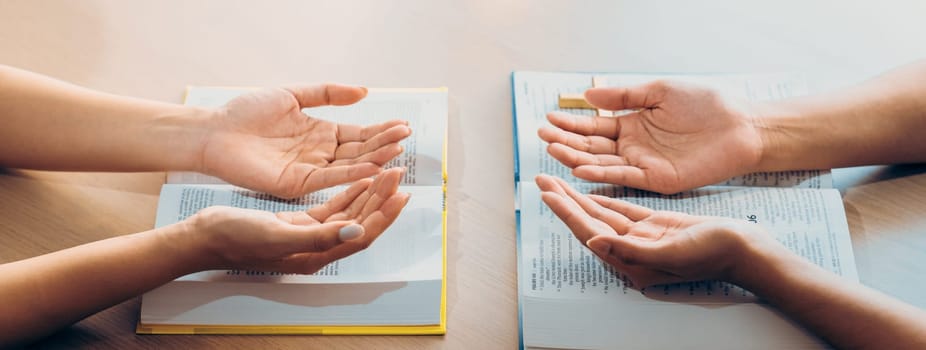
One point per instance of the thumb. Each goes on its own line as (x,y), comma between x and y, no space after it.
(322,237)
(326,94)
(627,97)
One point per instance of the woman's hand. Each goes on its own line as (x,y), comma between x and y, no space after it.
(297,242)
(263,141)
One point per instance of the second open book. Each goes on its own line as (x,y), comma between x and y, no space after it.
(396,286)
(571,299)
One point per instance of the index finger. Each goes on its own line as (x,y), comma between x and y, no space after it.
(582,225)
(374,225)
(609,127)
(326,94)
(615,219)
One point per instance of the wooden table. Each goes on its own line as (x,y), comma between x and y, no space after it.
(154,49)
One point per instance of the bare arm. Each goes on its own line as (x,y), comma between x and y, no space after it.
(261,140)
(880,121)
(846,314)
(52,125)
(684,136)
(42,294)
(657,247)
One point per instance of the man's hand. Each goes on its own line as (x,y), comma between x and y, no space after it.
(263,141)
(656,247)
(680,137)
(297,242)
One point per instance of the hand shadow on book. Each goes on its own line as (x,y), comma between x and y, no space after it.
(187,297)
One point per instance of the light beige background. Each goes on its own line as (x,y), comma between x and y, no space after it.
(154,49)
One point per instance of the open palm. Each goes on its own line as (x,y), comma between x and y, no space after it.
(301,241)
(652,247)
(680,137)
(264,142)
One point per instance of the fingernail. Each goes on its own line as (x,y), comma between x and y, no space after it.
(408,196)
(601,247)
(349,232)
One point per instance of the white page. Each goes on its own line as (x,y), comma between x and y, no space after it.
(424,109)
(537,93)
(410,249)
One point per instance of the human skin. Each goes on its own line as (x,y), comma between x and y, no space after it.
(658,247)
(683,136)
(261,140)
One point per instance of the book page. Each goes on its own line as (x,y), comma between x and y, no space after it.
(537,93)
(424,109)
(410,249)
(810,222)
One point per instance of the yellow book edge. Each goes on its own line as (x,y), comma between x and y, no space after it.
(331,330)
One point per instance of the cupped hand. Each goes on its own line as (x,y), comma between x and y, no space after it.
(263,141)
(679,137)
(299,242)
(655,247)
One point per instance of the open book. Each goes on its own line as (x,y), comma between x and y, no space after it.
(396,286)
(570,299)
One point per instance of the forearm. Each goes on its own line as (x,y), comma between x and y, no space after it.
(53,125)
(880,121)
(42,294)
(844,313)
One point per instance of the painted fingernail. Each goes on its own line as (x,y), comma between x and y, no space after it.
(349,232)
(601,247)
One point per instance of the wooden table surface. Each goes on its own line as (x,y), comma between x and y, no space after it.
(154,49)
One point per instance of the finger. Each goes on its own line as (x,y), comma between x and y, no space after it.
(624,175)
(379,157)
(547,183)
(380,219)
(632,211)
(326,94)
(339,201)
(591,144)
(355,149)
(384,191)
(296,217)
(632,251)
(641,277)
(359,133)
(374,225)
(617,221)
(648,95)
(572,158)
(386,181)
(582,225)
(608,127)
(293,239)
(336,175)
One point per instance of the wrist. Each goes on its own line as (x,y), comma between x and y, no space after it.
(184,132)
(772,121)
(183,245)
(762,264)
